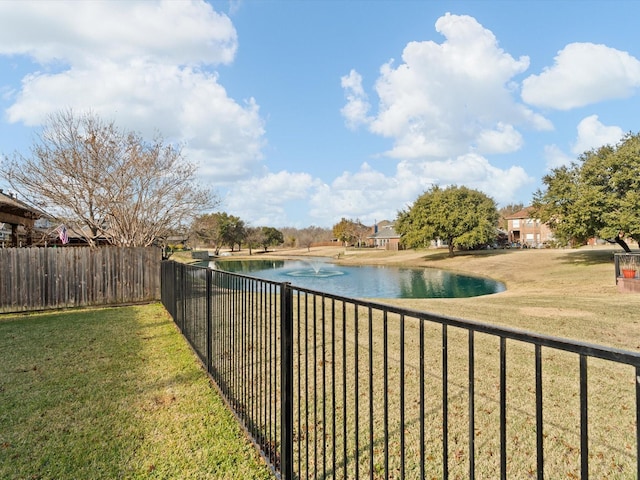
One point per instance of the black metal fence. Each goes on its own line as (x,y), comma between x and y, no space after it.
(334,387)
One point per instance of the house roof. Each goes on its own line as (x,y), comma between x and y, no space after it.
(14,211)
(524,213)
(386,231)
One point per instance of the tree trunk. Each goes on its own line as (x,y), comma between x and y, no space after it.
(619,240)
(451,254)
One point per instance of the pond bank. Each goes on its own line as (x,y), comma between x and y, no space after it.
(565,292)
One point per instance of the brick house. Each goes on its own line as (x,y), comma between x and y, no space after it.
(522,228)
(384,236)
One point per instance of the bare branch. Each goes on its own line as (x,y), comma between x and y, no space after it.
(111,183)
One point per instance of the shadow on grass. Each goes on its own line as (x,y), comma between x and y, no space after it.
(443,254)
(590,257)
(583,256)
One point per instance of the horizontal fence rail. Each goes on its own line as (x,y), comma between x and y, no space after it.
(38,278)
(334,387)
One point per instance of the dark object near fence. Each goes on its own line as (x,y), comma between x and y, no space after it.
(48,278)
(626,266)
(334,387)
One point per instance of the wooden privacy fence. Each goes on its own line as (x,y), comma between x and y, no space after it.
(48,278)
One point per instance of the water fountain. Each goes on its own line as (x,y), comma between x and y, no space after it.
(316,270)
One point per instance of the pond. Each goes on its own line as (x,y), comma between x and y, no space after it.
(364,281)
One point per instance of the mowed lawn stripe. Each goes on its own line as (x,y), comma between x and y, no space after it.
(112,393)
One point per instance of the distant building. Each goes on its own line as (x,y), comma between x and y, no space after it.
(384,236)
(17,220)
(522,228)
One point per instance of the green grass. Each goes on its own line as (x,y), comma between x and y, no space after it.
(568,293)
(565,293)
(112,393)
(116,393)
(611,401)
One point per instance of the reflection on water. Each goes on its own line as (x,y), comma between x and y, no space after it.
(364,281)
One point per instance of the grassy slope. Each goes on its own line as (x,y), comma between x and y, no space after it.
(567,293)
(116,394)
(111,393)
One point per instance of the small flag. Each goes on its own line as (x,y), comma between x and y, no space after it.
(62,233)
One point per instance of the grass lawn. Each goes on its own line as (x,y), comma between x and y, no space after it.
(568,293)
(112,393)
(565,293)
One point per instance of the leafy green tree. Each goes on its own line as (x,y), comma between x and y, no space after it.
(234,231)
(557,206)
(204,229)
(599,195)
(344,231)
(461,216)
(219,229)
(271,237)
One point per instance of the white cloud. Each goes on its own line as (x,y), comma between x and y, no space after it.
(448,99)
(593,134)
(582,74)
(473,171)
(555,157)
(145,65)
(84,33)
(353,84)
(370,195)
(503,139)
(366,194)
(262,200)
(357,107)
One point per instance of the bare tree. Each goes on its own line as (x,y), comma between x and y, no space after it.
(207,230)
(254,238)
(218,229)
(349,231)
(290,235)
(310,235)
(108,183)
(362,231)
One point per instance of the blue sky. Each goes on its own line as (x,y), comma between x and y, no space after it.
(301,112)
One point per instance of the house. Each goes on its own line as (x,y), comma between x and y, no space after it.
(384,236)
(18,219)
(50,235)
(527,231)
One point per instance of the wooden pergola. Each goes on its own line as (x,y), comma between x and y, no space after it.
(16,213)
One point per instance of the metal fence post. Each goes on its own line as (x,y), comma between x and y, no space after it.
(181,297)
(209,328)
(286,376)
